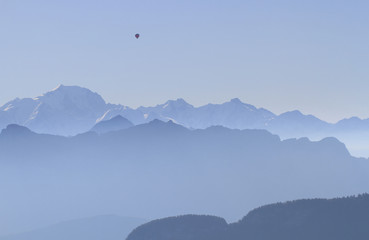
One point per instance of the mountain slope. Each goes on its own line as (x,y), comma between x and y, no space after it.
(66,110)
(336,219)
(320,219)
(186,227)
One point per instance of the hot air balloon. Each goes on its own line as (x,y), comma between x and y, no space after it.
(137,35)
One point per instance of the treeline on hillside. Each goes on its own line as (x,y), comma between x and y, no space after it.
(319,219)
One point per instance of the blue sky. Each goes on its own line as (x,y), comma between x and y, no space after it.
(280,55)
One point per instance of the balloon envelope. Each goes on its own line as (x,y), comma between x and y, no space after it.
(137,35)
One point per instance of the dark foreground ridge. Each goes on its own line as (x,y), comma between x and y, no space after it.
(318,219)
(192,227)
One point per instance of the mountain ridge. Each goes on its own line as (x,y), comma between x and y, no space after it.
(212,171)
(71,110)
(321,219)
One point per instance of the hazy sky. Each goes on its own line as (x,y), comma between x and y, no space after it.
(277,54)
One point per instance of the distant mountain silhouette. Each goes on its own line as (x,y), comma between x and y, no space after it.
(114,124)
(318,219)
(71,110)
(162,168)
(14,130)
(296,124)
(109,227)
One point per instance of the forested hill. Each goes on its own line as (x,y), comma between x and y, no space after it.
(318,219)
(187,227)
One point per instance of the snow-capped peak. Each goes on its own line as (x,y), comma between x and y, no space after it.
(57,88)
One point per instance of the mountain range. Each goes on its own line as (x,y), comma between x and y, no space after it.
(161,169)
(71,110)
